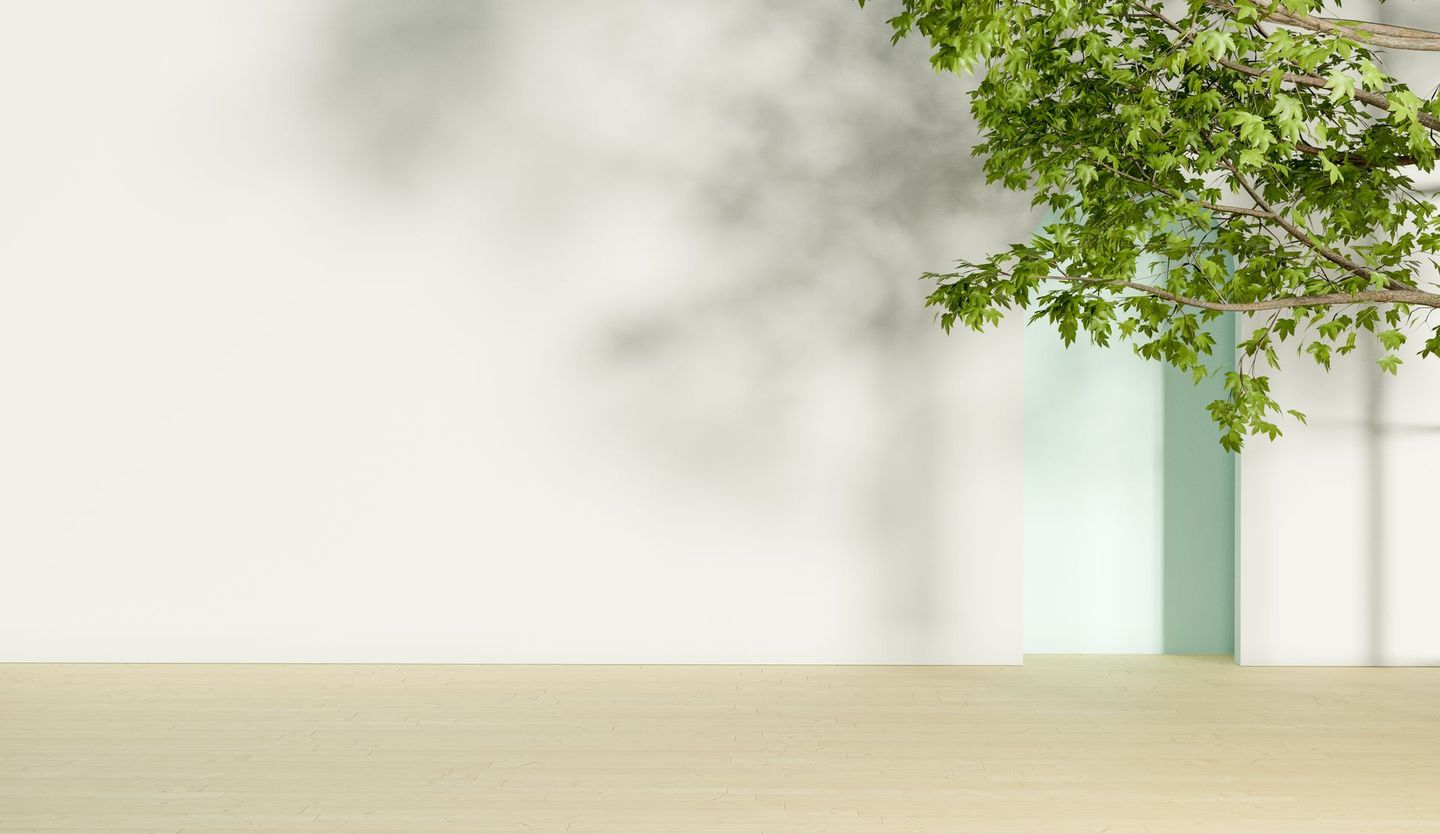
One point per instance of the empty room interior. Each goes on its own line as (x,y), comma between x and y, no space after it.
(762,417)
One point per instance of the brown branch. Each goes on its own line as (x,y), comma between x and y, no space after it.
(1360,31)
(1374,99)
(1351,158)
(1265,212)
(1415,297)
(1248,212)
(1369,97)
(1296,231)
(1160,189)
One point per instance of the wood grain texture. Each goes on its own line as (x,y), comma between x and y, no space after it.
(1064,744)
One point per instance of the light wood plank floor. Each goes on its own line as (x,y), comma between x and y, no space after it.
(1065,744)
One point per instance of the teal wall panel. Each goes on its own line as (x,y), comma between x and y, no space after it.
(1198,513)
(1092,498)
(1129,517)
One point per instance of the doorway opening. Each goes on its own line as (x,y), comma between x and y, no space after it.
(1129,503)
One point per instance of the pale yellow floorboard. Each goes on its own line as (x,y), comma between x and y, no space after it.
(1124,745)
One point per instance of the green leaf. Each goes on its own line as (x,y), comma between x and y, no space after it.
(1391,339)
(1340,85)
(1150,143)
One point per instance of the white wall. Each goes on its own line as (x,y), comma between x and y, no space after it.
(1338,555)
(1094,560)
(1339,560)
(419,332)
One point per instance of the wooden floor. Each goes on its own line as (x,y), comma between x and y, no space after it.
(1065,744)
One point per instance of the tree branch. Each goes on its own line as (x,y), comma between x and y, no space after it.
(1374,99)
(1159,189)
(1297,232)
(1350,158)
(1265,212)
(1415,297)
(1369,97)
(1360,31)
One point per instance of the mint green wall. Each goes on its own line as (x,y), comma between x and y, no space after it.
(1198,514)
(1129,503)
(1092,499)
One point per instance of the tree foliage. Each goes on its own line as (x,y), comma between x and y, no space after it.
(1243,156)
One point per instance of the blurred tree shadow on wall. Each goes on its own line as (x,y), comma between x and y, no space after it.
(817,170)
